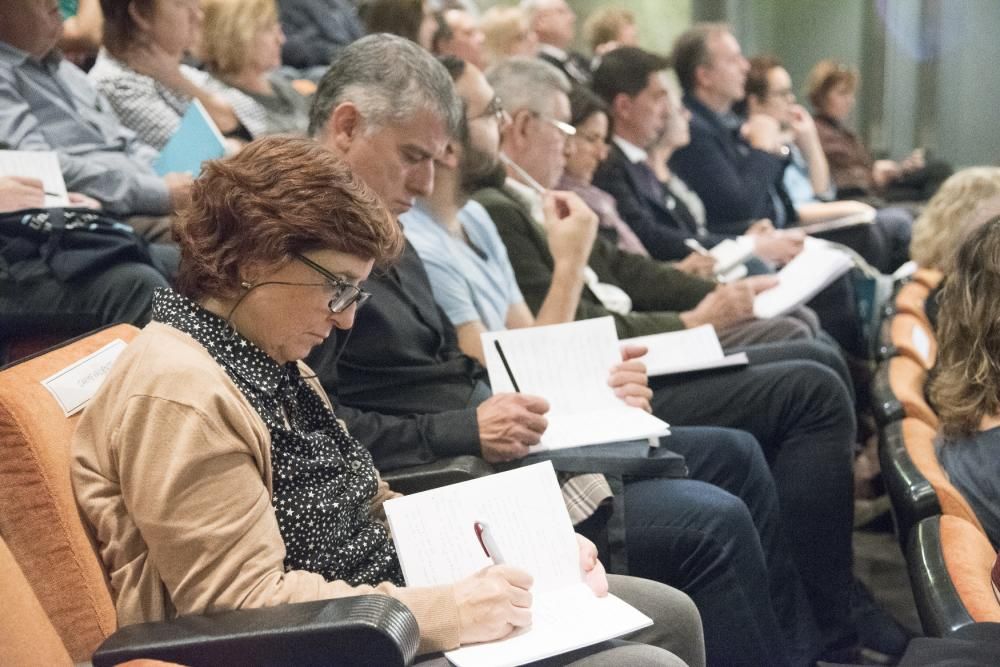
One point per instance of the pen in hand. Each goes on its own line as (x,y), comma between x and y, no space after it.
(697,247)
(486,541)
(510,373)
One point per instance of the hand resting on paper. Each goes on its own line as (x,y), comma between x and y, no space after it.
(593,570)
(17,193)
(728,304)
(492,603)
(509,424)
(629,378)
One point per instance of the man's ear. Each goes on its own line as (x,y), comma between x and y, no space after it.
(621,106)
(344,125)
(141,20)
(516,132)
(701,76)
(451,155)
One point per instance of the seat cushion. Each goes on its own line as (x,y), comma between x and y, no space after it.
(38,514)
(918,438)
(26,636)
(907,379)
(969,558)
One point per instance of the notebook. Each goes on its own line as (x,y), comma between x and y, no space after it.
(43,165)
(801,279)
(843,222)
(436,539)
(569,365)
(196,140)
(692,349)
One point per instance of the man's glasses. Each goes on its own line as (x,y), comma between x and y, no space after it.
(565,128)
(495,109)
(344,293)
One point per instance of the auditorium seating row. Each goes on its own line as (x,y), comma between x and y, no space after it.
(61,609)
(948,555)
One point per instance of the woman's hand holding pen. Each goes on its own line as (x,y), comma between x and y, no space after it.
(629,378)
(593,570)
(493,602)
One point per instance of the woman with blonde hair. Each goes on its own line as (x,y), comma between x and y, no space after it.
(938,229)
(241,48)
(965,389)
(139,68)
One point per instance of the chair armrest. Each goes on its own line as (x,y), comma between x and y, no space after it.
(439,473)
(913,498)
(362,630)
(885,405)
(940,608)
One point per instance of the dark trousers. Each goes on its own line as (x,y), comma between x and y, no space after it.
(793,399)
(716,536)
(120,293)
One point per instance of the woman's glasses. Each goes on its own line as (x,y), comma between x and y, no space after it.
(345,294)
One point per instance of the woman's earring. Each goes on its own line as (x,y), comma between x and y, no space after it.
(245,285)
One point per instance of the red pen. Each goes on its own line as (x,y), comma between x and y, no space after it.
(486,541)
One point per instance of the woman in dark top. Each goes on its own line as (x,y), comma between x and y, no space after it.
(966,385)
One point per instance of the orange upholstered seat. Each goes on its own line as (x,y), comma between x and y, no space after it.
(39,520)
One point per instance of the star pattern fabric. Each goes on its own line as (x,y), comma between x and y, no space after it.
(324,479)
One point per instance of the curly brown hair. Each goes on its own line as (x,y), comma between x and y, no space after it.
(278,197)
(824,77)
(966,384)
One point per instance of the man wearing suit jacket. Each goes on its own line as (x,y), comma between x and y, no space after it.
(554,24)
(632,83)
(735,168)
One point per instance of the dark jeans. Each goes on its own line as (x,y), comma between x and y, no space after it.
(799,409)
(716,537)
(120,293)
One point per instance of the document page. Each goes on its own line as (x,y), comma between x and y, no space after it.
(43,165)
(682,351)
(569,365)
(436,539)
(730,253)
(801,279)
(843,222)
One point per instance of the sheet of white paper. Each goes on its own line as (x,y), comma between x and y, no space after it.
(436,541)
(75,385)
(569,366)
(801,279)
(730,253)
(43,165)
(921,342)
(562,621)
(682,351)
(843,222)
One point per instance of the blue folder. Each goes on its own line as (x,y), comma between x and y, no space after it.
(195,141)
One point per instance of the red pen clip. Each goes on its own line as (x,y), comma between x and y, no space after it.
(480,531)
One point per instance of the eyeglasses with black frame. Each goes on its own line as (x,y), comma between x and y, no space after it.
(344,293)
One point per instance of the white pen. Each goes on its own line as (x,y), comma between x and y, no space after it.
(697,247)
(525,176)
(486,541)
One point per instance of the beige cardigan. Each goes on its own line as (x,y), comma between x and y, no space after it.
(172,469)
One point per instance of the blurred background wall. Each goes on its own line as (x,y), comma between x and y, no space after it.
(930,68)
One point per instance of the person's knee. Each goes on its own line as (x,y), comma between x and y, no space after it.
(638,655)
(125,292)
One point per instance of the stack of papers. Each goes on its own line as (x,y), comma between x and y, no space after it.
(569,366)
(801,279)
(436,540)
(683,351)
(43,165)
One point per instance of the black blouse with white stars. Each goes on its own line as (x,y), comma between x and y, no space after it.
(324,479)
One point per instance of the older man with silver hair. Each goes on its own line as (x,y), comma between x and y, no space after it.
(388,108)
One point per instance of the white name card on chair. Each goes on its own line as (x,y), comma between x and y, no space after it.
(75,385)
(921,342)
